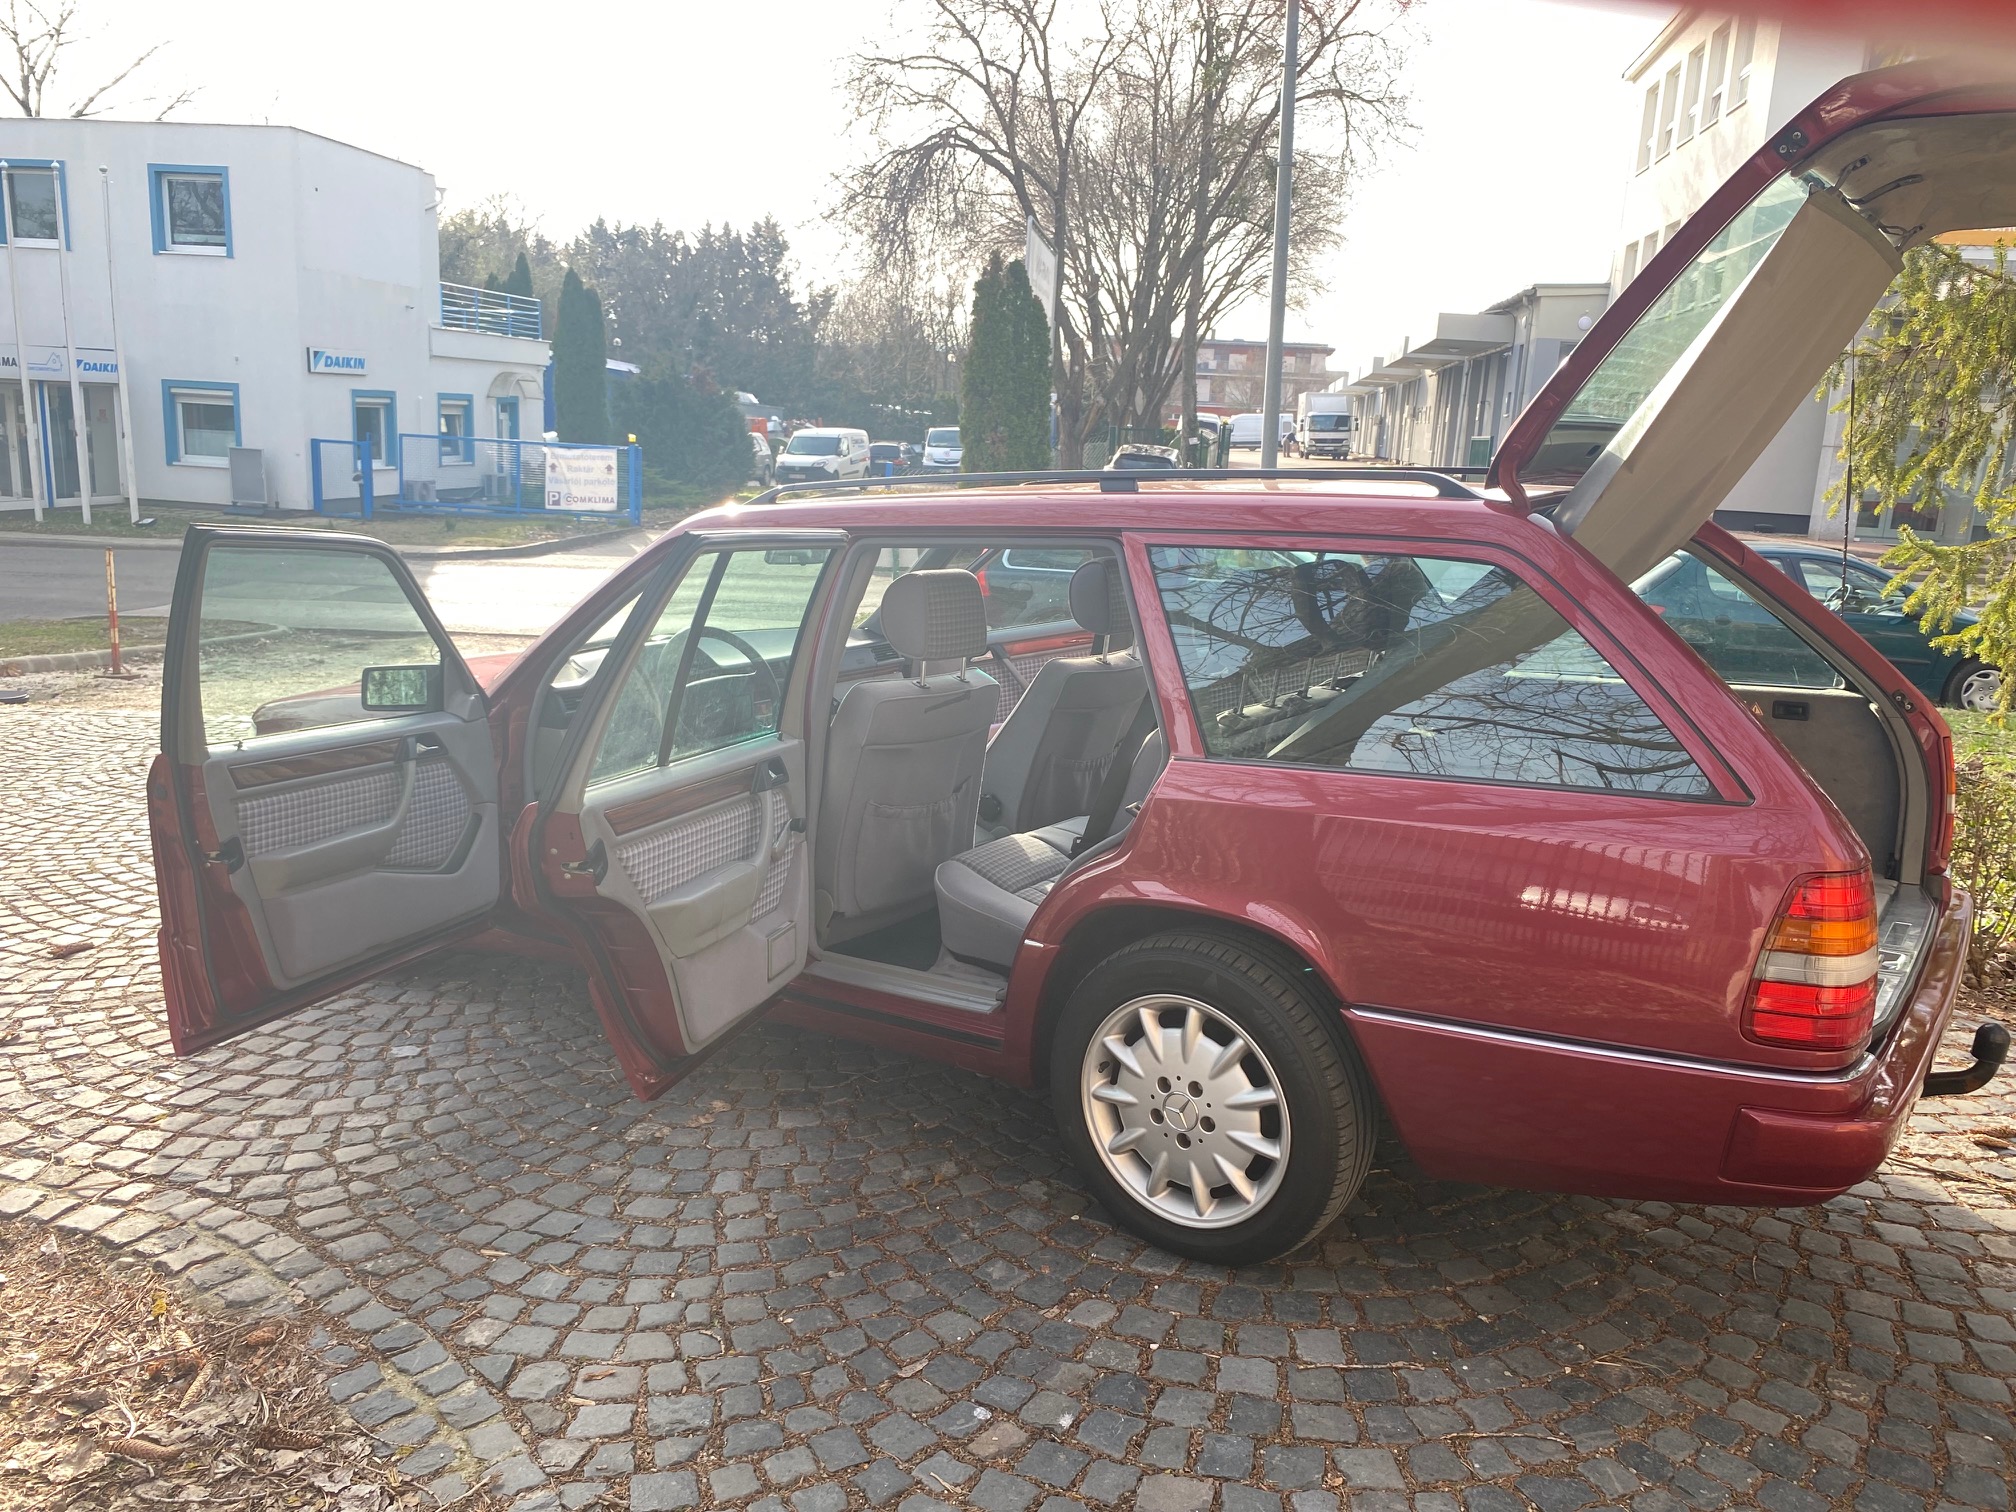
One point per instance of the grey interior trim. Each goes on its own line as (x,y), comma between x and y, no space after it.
(925,986)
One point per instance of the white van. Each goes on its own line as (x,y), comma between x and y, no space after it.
(1246,429)
(821,453)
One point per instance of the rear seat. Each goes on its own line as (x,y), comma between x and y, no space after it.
(987,895)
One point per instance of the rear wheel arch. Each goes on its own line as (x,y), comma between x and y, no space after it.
(1106,931)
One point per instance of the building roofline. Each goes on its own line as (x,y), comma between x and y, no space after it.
(15,121)
(1536,291)
(1681,20)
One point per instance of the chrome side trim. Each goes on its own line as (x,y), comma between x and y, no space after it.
(1859,1067)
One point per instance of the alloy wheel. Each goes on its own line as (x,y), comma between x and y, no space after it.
(1185,1111)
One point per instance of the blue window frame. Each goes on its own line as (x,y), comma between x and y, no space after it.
(197,417)
(190,206)
(38,204)
(375,413)
(456,416)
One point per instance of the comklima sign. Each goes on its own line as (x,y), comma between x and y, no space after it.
(322,360)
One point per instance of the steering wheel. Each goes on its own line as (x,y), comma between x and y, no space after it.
(749,652)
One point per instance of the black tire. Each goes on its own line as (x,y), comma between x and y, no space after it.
(1329,1097)
(1958,682)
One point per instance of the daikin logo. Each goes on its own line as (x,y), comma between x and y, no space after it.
(321,360)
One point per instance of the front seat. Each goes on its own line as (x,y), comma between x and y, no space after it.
(903,764)
(1047,758)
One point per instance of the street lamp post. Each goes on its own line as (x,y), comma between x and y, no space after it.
(1277,307)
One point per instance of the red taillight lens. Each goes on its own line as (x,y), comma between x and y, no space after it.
(982,576)
(1815,984)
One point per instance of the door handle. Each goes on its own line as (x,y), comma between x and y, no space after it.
(770,775)
(231,854)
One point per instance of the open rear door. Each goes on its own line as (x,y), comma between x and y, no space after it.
(325,801)
(1686,379)
(672,848)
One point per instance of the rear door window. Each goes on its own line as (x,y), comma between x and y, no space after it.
(1408,665)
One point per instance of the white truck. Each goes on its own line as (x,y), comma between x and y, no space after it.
(1323,425)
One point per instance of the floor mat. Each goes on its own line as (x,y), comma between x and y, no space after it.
(913,942)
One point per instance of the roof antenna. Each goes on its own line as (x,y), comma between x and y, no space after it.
(1849,501)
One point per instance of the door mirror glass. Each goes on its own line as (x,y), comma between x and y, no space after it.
(402,690)
(287,635)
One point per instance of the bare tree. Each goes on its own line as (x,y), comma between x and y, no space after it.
(1137,134)
(33,39)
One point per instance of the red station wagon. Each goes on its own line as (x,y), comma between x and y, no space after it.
(1232,808)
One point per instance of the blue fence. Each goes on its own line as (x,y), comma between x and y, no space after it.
(464,308)
(478,475)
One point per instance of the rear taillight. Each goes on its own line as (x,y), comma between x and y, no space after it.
(1815,985)
(982,576)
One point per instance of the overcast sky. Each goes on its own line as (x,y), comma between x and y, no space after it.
(689,111)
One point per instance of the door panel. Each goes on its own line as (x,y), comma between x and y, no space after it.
(304,841)
(672,846)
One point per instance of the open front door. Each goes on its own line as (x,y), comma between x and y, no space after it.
(325,801)
(672,848)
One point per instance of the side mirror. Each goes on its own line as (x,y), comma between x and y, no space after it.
(402,690)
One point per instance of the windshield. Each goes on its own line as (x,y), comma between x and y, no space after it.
(1662,336)
(1329,422)
(944,436)
(803,445)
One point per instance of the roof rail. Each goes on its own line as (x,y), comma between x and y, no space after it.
(1119,481)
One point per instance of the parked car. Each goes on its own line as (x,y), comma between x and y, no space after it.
(1249,430)
(887,457)
(1144,459)
(762,465)
(820,454)
(942,451)
(1325,800)
(1855,590)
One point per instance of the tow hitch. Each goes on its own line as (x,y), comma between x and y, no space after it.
(1991,1048)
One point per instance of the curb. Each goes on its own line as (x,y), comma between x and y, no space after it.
(72,661)
(414,553)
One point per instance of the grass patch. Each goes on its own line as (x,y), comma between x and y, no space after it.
(47,637)
(1979,735)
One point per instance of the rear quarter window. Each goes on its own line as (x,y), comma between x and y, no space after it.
(1407,665)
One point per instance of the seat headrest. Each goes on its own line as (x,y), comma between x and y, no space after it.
(937,615)
(1099,602)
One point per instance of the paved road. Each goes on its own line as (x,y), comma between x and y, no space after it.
(510,596)
(819,1277)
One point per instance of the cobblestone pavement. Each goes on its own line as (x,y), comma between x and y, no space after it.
(819,1276)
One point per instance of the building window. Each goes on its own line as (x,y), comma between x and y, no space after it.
(1669,106)
(1718,81)
(202,422)
(35,204)
(191,209)
(372,419)
(1630,265)
(1690,112)
(457,431)
(1651,250)
(1648,129)
(1739,64)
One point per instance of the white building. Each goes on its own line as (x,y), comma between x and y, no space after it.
(1713,90)
(272,287)
(1446,402)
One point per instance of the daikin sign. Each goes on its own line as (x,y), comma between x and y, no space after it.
(322,360)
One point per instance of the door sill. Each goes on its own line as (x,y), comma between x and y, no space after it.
(946,991)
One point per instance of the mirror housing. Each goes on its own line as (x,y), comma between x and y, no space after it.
(402,690)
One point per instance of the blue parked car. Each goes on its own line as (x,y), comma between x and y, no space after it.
(1746,644)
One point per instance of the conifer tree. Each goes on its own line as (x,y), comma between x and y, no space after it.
(580,371)
(1004,407)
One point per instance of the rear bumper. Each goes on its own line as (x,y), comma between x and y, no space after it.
(1489,1105)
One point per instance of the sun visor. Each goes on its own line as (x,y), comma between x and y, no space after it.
(1665,469)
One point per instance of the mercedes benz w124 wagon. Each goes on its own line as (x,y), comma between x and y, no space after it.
(1232,810)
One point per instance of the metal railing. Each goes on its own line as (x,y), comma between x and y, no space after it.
(477,475)
(464,308)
